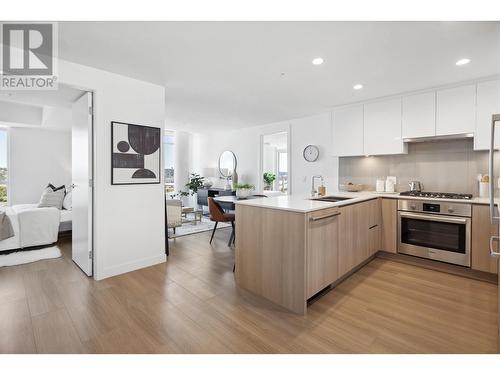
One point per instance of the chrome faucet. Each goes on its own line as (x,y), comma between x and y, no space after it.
(314,192)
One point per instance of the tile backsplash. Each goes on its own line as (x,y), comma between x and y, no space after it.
(448,166)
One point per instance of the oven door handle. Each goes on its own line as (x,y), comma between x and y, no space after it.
(442,219)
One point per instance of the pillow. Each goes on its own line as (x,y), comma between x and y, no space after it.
(67,203)
(52,198)
(56,188)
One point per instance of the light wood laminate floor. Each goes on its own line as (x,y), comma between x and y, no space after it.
(191,305)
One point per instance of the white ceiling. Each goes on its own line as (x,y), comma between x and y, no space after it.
(62,97)
(225,75)
(38,109)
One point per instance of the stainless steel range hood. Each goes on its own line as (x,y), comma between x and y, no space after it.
(438,138)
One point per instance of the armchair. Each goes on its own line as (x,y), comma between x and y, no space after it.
(174,213)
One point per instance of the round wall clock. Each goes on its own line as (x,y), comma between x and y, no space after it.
(311,153)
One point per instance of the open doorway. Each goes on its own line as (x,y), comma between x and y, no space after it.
(46,169)
(275,163)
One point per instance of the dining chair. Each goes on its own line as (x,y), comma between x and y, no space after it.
(218,215)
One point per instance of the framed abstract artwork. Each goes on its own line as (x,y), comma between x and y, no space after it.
(135,154)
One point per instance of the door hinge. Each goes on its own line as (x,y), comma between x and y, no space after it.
(90,254)
(91,111)
(91,183)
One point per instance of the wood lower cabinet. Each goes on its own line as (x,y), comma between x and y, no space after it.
(389,225)
(359,234)
(352,243)
(374,226)
(270,255)
(287,257)
(322,250)
(482,230)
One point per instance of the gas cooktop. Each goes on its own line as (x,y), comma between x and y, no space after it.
(430,194)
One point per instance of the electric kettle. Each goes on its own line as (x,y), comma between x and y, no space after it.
(416,186)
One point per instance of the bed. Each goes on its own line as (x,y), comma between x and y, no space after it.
(65,223)
(34,226)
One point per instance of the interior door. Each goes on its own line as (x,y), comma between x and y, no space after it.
(82,171)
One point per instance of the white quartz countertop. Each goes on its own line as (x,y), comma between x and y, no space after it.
(304,204)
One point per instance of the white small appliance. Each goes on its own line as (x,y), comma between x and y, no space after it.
(380,186)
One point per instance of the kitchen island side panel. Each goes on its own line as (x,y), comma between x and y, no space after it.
(270,255)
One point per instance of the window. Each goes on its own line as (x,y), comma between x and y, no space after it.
(169,161)
(274,159)
(3,167)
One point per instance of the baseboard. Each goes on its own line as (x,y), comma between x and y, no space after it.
(439,266)
(130,266)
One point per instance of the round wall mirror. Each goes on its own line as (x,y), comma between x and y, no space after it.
(227,163)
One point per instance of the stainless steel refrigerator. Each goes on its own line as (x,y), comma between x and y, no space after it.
(494,215)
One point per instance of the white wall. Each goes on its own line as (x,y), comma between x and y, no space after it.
(129,220)
(18,113)
(313,130)
(37,157)
(57,118)
(245,143)
(184,151)
(183,159)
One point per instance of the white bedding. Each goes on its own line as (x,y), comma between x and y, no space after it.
(32,226)
(66,215)
(66,221)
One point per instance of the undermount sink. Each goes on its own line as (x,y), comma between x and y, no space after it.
(330,199)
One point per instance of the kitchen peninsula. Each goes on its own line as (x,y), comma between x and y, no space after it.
(290,248)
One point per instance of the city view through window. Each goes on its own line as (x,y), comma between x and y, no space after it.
(169,161)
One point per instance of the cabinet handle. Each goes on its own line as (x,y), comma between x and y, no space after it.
(493,253)
(373,226)
(324,217)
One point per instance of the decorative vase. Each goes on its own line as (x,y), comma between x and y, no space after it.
(235,177)
(242,193)
(185,201)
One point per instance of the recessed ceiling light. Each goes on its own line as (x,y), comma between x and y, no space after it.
(357,86)
(317,61)
(462,62)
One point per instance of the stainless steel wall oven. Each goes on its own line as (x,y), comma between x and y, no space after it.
(435,230)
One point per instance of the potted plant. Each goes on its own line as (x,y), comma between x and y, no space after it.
(184,197)
(268,180)
(243,190)
(195,182)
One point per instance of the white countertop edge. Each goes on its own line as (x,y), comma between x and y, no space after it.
(304,204)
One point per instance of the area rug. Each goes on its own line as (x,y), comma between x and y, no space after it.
(29,256)
(192,228)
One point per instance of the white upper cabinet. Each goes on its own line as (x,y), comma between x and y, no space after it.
(419,115)
(382,128)
(488,104)
(348,131)
(456,110)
